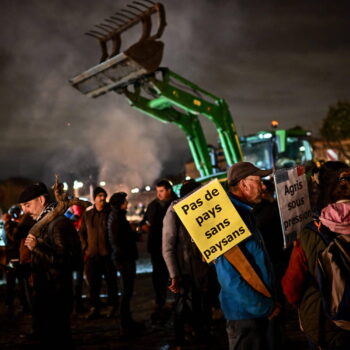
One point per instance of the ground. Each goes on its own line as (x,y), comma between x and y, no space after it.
(104,333)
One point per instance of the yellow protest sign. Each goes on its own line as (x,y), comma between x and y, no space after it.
(212,221)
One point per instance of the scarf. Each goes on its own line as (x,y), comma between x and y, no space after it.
(336,217)
(46,210)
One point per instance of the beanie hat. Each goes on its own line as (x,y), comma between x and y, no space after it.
(33,191)
(99,190)
(117,199)
(188,186)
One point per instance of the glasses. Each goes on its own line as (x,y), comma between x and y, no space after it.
(259,182)
(345,178)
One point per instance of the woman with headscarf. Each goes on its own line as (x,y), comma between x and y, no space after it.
(300,282)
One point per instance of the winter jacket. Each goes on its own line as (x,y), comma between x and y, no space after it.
(180,253)
(122,238)
(300,286)
(52,260)
(238,299)
(93,232)
(154,216)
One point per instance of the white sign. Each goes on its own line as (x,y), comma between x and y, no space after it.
(293,201)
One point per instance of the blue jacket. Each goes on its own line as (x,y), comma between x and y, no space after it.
(238,300)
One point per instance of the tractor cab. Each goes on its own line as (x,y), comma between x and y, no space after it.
(277,148)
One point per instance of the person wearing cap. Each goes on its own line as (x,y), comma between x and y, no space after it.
(124,256)
(97,250)
(246,310)
(51,269)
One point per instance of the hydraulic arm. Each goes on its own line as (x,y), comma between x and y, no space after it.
(171,91)
(188,122)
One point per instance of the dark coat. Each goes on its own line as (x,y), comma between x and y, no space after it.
(154,216)
(52,267)
(121,237)
(268,222)
(52,259)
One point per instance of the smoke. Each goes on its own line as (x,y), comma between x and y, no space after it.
(270,60)
(60,130)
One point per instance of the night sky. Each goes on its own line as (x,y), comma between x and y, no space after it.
(283,59)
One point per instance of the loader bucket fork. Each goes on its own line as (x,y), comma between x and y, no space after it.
(121,21)
(118,69)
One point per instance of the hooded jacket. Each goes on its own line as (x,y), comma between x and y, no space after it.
(299,282)
(122,238)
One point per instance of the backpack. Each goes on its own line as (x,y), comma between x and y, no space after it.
(333,274)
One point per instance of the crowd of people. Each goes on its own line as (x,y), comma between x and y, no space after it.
(44,249)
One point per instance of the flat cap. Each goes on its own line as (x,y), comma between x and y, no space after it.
(242,170)
(33,191)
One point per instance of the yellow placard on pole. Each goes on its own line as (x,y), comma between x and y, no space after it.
(212,221)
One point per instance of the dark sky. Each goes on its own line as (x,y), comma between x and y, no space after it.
(272,59)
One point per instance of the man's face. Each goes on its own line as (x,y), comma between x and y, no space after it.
(163,193)
(34,207)
(253,188)
(100,199)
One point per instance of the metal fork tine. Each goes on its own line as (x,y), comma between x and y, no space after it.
(135,8)
(98,33)
(104,29)
(113,22)
(140,4)
(120,20)
(124,15)
(93,35)
(128,11)
(108,26)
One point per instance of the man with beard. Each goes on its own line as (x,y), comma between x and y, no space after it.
(51,262)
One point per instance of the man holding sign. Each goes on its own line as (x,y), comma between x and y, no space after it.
(247,310)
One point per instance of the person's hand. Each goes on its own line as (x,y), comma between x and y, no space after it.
(174,285)
(144,228)
(30,242)
(6,217)
(276,310)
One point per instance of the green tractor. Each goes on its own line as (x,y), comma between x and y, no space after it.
(170,98)
(277,148)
